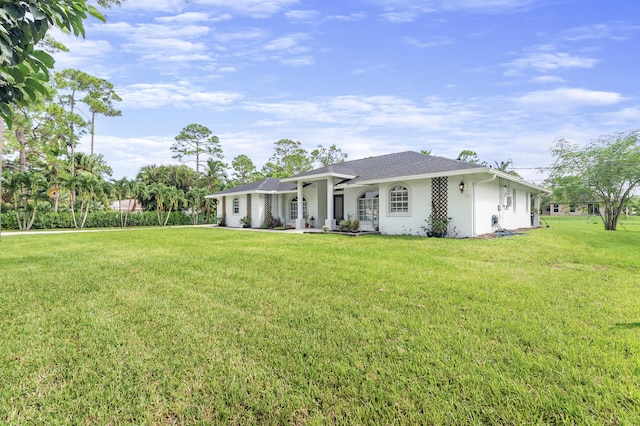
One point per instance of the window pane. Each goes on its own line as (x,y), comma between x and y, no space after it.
(399,200)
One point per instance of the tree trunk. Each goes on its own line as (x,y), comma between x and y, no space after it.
(22,141)
(166,220)
(93,128)
(120,208)
(73,214)
(86,213)
(610,218)
(33,217)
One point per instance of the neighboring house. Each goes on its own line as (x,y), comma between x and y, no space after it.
(132,205)
(560,209)
(392,193)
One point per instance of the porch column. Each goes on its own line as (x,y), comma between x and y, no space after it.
(330,222)
(300,220)
(536,211)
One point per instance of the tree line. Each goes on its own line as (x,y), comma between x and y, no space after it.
(43,173)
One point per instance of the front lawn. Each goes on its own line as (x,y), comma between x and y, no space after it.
(206,325)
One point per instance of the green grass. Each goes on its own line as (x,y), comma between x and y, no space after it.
(199,325)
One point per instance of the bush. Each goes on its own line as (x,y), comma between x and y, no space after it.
(99,219)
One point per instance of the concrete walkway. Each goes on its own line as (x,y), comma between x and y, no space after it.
(72,231)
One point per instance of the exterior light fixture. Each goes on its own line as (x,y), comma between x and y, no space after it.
(461,186)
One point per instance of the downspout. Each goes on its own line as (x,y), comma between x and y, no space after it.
(473,204)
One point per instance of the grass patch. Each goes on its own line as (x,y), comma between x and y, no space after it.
(199,325)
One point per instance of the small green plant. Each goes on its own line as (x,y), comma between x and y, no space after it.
(246,221)
(436,225)
(354,225)
(222,220)
(344,224)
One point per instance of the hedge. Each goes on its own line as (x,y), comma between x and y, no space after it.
(104,219)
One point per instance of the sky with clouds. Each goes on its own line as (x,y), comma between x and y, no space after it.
(504,78)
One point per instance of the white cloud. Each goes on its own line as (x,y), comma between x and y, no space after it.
(288,43)
(154,5)
(436,42)
(356,16)
(182,95)
(305,16)
(547,79)
(400,17)
(193,17)
(302,61)
(544,59)
(402,11)
(253,8)
(613,31)
(564,99)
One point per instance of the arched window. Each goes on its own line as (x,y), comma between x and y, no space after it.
(368,207)
(236,206)
(399,199)
(293,210)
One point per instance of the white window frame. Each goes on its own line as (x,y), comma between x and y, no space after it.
(235,206)
(399,199)
(293,208)
(368,204)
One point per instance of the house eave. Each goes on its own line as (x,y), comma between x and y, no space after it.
(219,195)
(466,172)
(320,176)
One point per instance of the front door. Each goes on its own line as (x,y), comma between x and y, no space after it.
(338,207)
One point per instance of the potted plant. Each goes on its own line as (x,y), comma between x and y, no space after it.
(246,222)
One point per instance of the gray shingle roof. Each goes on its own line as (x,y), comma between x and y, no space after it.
(264,185)
(392,165)
(388,166)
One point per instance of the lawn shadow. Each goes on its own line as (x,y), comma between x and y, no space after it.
(628,324)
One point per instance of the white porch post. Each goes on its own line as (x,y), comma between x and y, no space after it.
(300,220)
(536,211)
(330,222)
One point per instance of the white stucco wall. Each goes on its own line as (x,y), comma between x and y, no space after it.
(491,199)
(470,211)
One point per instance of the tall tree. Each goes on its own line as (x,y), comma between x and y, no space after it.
(326,156)
(605,171)
(24,67)
(289,158)
(506,167)
(244,171)
(468,156)
(73,83)
(100,98)
(196,140)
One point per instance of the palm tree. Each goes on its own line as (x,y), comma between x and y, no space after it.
(174,198)
(26,190)
(167,198)
(503,166)
(120,190)
(196,200)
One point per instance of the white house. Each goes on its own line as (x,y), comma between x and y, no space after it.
(392,193)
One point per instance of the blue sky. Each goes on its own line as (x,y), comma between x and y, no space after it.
(504,78)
